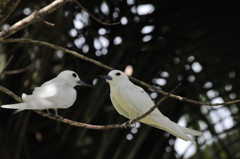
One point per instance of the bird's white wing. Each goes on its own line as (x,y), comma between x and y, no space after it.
(56,91)
(48,89)
(137,99)
(63,97)
(119,109)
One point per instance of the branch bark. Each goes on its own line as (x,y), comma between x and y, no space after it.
(34,17)
(184,99)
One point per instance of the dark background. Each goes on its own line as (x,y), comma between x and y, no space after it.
(185,34)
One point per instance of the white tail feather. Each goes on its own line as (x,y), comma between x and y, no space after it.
(190,131)
(35,104)
(14,106)
(165,124)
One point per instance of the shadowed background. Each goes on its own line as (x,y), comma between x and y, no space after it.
(164,42)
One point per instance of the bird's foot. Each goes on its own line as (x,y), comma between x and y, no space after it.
(48,111)
(51,114)
(58,116)
(124,125)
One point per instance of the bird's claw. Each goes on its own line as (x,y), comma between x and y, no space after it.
(127,123)
(54,115)
(51,114)
(124,125)
(58,116)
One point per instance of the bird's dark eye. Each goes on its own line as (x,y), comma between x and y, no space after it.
(74,75)
(118,74)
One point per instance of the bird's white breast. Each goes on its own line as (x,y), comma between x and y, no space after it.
(67,97)
(121,102)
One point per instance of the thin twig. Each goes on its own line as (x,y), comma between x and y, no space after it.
(74,53)
(18,71)
(48,23)
(79,124)
(93,15)
(6,65)
(10,93)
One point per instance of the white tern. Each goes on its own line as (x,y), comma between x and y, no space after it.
(131,101)
(53,94)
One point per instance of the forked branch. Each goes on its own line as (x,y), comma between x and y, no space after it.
(34,17)
(37,16)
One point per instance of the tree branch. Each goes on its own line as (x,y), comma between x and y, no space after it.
(38,15)
(18,71)
(79,124)
(94,16)
(35,16)
(10,93)
(6,65)
(13,71)
(74,53)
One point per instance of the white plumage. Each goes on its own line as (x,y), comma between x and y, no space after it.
(54,94)
(132,101)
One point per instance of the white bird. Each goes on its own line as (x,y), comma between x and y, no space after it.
(131,101)
(54,94)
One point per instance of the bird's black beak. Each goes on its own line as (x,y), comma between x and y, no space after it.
(106,77)
(84,84)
